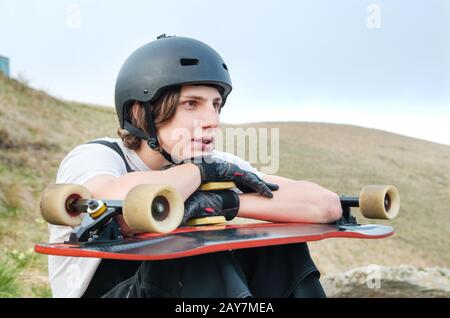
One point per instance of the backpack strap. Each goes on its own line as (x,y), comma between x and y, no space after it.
(114,146)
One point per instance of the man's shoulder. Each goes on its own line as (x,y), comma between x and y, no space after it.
(86,160)
(90,146)
(92,143)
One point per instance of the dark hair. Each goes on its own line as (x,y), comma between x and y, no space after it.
(163,109)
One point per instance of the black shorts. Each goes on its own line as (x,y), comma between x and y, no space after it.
(274,271)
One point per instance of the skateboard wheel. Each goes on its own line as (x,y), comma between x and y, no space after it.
(217,186)
(379,202)
(153,208)
(207,220)
(55,203)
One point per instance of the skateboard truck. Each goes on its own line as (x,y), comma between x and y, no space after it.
(347,218)
(374,202)
(100,225)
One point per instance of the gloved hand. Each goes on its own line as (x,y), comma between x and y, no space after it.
(217,170)
(211,203)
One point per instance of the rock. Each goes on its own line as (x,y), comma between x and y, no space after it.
(381,281)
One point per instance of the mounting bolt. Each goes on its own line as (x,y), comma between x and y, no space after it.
(92,204)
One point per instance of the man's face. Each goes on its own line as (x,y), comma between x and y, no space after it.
(191,131)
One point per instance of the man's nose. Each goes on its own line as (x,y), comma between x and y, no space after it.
(210,117)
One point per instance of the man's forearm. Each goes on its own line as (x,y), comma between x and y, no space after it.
(184,178)
(295,201)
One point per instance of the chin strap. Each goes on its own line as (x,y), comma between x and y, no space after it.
(152,138)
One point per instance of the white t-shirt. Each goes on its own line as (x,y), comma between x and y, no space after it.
(70,276)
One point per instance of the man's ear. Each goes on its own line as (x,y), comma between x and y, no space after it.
(135,110)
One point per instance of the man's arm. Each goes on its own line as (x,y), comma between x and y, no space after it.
(295,201)
(185,178)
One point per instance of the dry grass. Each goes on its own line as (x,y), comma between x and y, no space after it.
(36,131)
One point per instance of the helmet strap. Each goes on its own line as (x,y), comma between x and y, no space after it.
(152,141)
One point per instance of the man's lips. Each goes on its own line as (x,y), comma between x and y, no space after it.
(204,140)
(205,143)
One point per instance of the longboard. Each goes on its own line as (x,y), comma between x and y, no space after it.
(157,209)
(190,241)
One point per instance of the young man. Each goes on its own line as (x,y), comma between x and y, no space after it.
(166,85)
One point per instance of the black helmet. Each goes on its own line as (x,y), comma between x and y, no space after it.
(165,62)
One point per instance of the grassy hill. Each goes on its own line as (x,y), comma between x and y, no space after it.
(37,130)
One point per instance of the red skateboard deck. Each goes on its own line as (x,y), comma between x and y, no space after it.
(190,241)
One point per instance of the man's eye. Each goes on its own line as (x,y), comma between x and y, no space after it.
(191,103)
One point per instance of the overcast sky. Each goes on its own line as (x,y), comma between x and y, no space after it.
(381,64)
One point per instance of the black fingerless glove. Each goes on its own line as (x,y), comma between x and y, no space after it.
(216,170)
(211,203)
